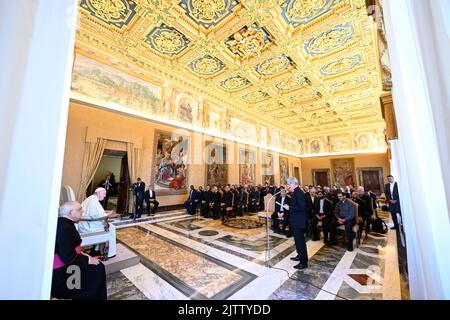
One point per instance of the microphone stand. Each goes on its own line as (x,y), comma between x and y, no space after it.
(267,229)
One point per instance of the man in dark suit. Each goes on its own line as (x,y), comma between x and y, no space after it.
(150,198)
(108,185)
(205,198)
(139,190)
(191,202)
(393,198)
(227,203)
(365,209)
(298,220)
(345,214)
(243,201)
(214,203)
(321,213)
(281,212)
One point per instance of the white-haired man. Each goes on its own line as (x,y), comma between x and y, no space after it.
(298,210)
(68,258)
(94,210)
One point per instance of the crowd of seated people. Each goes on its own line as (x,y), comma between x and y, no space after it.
(228,201)
(328,208)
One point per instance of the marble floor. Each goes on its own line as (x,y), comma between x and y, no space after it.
(189,257)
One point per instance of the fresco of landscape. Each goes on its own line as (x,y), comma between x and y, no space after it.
(108,85)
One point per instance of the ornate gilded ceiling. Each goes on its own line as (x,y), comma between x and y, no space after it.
(307,67)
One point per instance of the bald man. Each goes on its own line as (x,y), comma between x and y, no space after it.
(94,210)
(68,258)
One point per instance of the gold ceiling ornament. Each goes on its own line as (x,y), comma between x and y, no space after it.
(158,10)
(298,12)
(349,83)
(274,65)
(234,83)
(330,40)
(255,96)
(206,65)
(342,65)
(108,9)
(358,95)
(291,83)
(248,42)
(199,60)
(260,11)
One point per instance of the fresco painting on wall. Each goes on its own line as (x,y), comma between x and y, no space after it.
(171,158)
(267,164)
(340,144)
(366,141)
(215,118)
(274,138)
(343,172)
(109,87)
(242,130)
(284,170)
(288,143)
(315,146)
(216,164)
(263,136)
(186,107)
(247,166)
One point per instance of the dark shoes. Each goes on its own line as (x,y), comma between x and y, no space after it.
(297,258)
(300,266)
(330,243)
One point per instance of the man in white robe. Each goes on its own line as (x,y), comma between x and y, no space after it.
(92,210)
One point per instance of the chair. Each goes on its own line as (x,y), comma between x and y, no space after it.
(355,227)
(93,238)
(269,208)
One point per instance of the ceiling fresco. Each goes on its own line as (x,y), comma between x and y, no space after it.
(309,68)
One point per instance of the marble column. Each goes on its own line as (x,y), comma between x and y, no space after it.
(37,39)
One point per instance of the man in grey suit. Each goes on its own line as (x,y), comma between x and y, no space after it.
(345,214)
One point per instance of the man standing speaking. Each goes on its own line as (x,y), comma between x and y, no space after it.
(299,221)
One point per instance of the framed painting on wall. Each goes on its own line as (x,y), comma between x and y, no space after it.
(371,179)
(269,179)
(297,174)
(284,170)
(216,163)
(170,167)
(321,177)
(267,164)
(343,172)
(247,166)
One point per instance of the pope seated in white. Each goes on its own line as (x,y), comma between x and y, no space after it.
(93,210)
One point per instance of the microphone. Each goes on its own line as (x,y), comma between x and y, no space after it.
(267,228)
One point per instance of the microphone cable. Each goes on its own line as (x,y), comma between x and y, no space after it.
(307,282)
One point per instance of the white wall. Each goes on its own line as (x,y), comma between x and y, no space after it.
(37,39)
(415,32)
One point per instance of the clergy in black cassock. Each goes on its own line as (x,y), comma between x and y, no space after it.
(67,283)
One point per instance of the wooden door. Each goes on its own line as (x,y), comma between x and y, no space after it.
(123,186)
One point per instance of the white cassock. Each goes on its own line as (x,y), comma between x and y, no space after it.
(93,210)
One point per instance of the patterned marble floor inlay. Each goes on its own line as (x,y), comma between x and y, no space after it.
(252,245)
(190,257)
(119,287)
(249,244)
(198,276)
(208,233)
(363,279)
